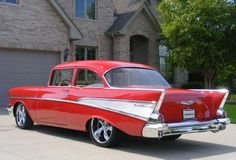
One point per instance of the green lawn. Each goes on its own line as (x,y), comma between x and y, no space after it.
(231,112)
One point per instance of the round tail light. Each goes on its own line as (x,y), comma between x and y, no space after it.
(156,118)
(220,113)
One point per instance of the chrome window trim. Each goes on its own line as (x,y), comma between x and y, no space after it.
(103,76)
(61,69)
(88,69)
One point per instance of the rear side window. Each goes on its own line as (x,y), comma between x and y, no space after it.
(62,77)
(87,78)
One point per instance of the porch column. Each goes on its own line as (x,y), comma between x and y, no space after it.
(121,48)
(72,51)
(154,59)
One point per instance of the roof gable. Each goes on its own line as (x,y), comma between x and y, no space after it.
(74,33)
(120,22)
(123,20)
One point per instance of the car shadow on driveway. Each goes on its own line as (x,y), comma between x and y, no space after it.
(183,149)
(63,133)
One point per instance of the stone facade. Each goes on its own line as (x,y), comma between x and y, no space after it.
(32,24)
(141,26)
(112,47)
(93,31)
(36,25)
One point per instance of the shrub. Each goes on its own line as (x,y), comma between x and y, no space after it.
(192,85)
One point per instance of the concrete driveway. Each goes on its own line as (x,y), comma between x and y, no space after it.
(48,143)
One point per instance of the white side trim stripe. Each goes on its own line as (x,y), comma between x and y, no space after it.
(136,109)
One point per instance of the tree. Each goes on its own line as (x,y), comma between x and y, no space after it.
(201,35)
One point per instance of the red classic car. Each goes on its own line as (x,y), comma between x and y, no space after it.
(106,98)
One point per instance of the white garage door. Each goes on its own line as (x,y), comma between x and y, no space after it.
(21,67)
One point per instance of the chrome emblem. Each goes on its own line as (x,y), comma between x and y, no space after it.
(187,103)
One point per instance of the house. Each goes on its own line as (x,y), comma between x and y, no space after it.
(37,34)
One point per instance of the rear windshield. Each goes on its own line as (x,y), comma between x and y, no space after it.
(136,78)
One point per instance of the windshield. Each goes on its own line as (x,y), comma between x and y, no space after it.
(135,78)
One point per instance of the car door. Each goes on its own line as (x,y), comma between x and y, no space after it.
(52,100)
(87,84)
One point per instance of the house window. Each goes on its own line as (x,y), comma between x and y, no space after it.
(165,69)
(163,53)
(10,1)
(86,53)
(86,9)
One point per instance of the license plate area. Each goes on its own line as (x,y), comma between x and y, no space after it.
(188,114)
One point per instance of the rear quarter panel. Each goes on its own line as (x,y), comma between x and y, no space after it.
(79,115)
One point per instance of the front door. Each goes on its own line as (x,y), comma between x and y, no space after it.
(51,100)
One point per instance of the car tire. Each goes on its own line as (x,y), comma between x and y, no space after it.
(22,118)
(170,138)
(103,134)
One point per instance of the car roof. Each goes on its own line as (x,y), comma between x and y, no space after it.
(100,65)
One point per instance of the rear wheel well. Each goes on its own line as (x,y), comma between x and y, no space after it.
(14,108)
(87,124)
(89,121)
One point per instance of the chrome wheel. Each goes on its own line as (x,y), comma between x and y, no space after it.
(101,130)
(20,115)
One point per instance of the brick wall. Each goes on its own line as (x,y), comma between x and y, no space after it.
(31,25)
(94,30)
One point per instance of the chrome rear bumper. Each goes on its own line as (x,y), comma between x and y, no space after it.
(168,129)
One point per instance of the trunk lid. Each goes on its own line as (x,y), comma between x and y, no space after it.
(181,105)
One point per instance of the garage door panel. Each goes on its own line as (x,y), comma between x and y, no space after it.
(21,68)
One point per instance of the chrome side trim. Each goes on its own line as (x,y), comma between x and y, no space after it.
(141,110)
(122,100)
(160,101)
(136,109)
(211,90)
(53,99)
(224,99)
(167,129)
(139,89)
